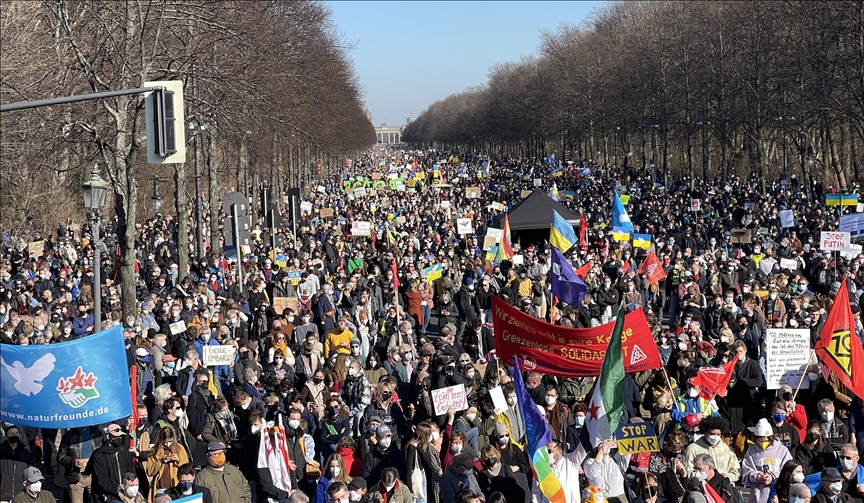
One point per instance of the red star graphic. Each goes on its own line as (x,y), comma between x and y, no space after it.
(91,379)
(78,380)
(61,385)
(592,410)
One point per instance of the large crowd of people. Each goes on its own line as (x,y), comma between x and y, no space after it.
(347,367)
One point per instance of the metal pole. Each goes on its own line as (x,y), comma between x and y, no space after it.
(235,215)
(294,211)
(73,99)
(97,274)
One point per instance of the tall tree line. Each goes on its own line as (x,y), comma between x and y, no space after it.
(698,89)
(269,92)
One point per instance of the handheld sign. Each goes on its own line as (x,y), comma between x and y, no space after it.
(453,396)
(787,353)
(834,241)
(177,328)
(463,226)
(218,355)
(634,438)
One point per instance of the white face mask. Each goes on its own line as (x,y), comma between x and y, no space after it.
(354,496)
(294,424)
(35,487)
(408,357)
(813,376)
(132,491)
(385,442)
(512,400)
(256,429)
(712,439)
(456,448)
(504,440)
(828,416)
(846,464)
(682,346)
(352,372)
(836,487)
(397,358)
(701,476)
(335,471)
(550,400)
(434,436)
(580,421)
(389,488)
(470,416)
(693,392)
(178,413)
(798,478)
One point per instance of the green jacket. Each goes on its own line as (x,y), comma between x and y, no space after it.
(227,486)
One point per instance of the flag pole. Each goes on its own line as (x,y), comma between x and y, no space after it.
(669,383)
(809,359)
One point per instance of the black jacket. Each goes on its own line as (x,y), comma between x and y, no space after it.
(176,493)
(107,466)
(13,462)
(376,461)
(70,451)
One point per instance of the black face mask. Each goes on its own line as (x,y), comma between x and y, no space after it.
(812,438)
(13,439)
(117,441)
(652,491)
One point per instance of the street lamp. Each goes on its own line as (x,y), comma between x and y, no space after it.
(95,189)
(156,200)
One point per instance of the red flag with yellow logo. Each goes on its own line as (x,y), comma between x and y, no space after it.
(839,346)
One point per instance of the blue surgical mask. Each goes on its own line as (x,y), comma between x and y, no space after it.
(185,486)
(779,418)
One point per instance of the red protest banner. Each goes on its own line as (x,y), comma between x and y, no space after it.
(569,352)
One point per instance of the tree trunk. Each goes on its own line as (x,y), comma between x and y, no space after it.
(213,193)
(181,205)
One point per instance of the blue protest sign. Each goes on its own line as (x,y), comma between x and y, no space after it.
(634,438)
(65,385)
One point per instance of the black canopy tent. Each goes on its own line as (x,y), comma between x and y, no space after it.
(531,219)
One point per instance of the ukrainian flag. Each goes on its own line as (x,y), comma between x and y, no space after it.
(620,234)
(642,240)
(841,199)
(561,235)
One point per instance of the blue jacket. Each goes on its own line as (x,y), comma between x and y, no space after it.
(79,325)
(814,483)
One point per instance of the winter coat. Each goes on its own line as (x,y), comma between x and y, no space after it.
(107,467)
(13,462)
(226,486)
(755,460)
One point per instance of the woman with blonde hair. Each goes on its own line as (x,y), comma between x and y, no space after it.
(332,471)
(385,407)
(340,372)
(424,472)
(165,457)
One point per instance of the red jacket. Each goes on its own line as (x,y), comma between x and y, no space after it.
(352,464)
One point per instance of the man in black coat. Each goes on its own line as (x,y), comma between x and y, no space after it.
(187,487)
(744,390)
(76,447)
(14,459)
(107,465)
(384,455)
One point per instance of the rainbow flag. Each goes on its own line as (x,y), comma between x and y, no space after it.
(505,248)
(539,435)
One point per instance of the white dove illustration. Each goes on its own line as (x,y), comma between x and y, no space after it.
(27,380)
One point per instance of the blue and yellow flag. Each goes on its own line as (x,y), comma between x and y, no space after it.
(620,218)
(621,234)
(562,235)
(841,199)
(641,240)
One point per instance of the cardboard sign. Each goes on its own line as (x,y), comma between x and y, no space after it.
(497,206)
(218,355)
(525,193)
(488,242)
(453,396)
(326,213)
(498,400)
(361,228)
(634,438)
(538,182)
(787,219)
(178,328)
(495,233)
(741,236)
(321,189)
(472,192)
(282,303)
(376,176)
(491,253)
(36,248)
(830,240)
(463,226)
(786,263)
(695,205)
(360,192)
(787,351)
(400,220)
(306,207)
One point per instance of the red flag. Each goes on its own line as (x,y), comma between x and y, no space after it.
(395,274)
(839,346)
(652,269)
(415,165)
(711,495)
(583,229)
(582,272)
(133,381)
(715,379)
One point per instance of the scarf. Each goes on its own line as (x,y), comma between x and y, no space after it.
(227,424)
(281,347)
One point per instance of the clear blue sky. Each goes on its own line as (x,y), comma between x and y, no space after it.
(410,54)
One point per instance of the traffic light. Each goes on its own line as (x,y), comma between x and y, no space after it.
(166,133)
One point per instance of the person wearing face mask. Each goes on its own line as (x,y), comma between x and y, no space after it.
(762,462)
(831,488)
(468,307)
(108,462)
(390,488)
(557,414)
(385,455)
(333,472)
(14,458)
(712,444)
(744,389)
(602,469)
(850,471)
(498,477)
(187,486)
(225,482)
(358,491)
(460,475)
(815,389)
(791,473)
(32,491)
(511,454)
(220,425)
(692,402)
(705,471)
(565,466)
(785,433)
(165,457)
(424,462)
(834,431)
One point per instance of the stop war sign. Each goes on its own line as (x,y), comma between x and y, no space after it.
(831,240)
